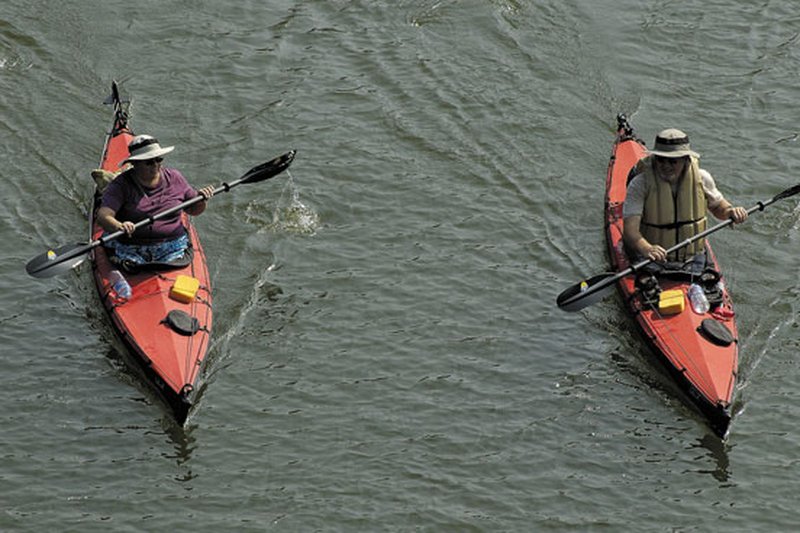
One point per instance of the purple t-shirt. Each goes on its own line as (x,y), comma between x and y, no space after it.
(131,201)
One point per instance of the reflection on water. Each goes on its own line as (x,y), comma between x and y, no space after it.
(127,370)
(718,452)
(180,437)
(183,442)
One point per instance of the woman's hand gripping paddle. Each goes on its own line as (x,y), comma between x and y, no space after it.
(64,258)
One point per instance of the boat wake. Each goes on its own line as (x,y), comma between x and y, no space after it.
(226,333)
(775,337)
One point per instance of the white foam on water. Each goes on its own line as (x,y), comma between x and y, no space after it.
(291,214)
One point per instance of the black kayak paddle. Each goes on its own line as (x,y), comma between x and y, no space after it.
(65,258)
(594,289)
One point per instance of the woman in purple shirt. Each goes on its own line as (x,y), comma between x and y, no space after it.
(143,190)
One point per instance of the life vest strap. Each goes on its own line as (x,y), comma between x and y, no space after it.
(674,225)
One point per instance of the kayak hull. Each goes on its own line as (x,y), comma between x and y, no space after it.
(170,359)
(704,369)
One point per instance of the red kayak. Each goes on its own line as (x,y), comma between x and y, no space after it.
(166,323)
(163,313)
(699,349)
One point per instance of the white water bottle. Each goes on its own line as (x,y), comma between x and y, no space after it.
(119,284)
(697,297)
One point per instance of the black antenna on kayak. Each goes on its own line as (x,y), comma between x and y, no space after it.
(115,98)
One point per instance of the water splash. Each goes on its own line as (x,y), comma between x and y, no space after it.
(289,214)
(292,215)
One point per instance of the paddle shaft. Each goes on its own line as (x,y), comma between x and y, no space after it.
(641,264)
(40,264)
(225,187)
(572,295)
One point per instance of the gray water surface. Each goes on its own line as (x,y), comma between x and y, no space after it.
(387,355)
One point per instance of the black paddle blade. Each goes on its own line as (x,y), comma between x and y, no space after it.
(58,261)
(787,193)
(585,293)
(269,169)
(65,258)
(594,289)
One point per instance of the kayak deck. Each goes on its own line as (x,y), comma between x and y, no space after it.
(698,363)
(171,360)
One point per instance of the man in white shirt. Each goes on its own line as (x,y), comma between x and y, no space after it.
(671,163)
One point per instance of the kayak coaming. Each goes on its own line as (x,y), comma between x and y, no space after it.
(706,371)
(171,362)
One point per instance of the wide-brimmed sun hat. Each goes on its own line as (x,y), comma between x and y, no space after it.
(672,142)
(144,147)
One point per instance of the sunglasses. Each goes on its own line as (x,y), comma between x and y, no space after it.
(156,161)
(670,161)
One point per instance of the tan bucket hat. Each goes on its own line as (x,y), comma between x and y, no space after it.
(144,147)
(672,142)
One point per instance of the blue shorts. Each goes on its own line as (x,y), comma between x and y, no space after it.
(162,252)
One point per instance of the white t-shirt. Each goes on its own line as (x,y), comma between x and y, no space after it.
(637,192)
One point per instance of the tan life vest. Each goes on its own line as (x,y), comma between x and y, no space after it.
(672,218)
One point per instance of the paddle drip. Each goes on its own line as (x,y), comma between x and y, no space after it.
(296,217)
(290,214)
